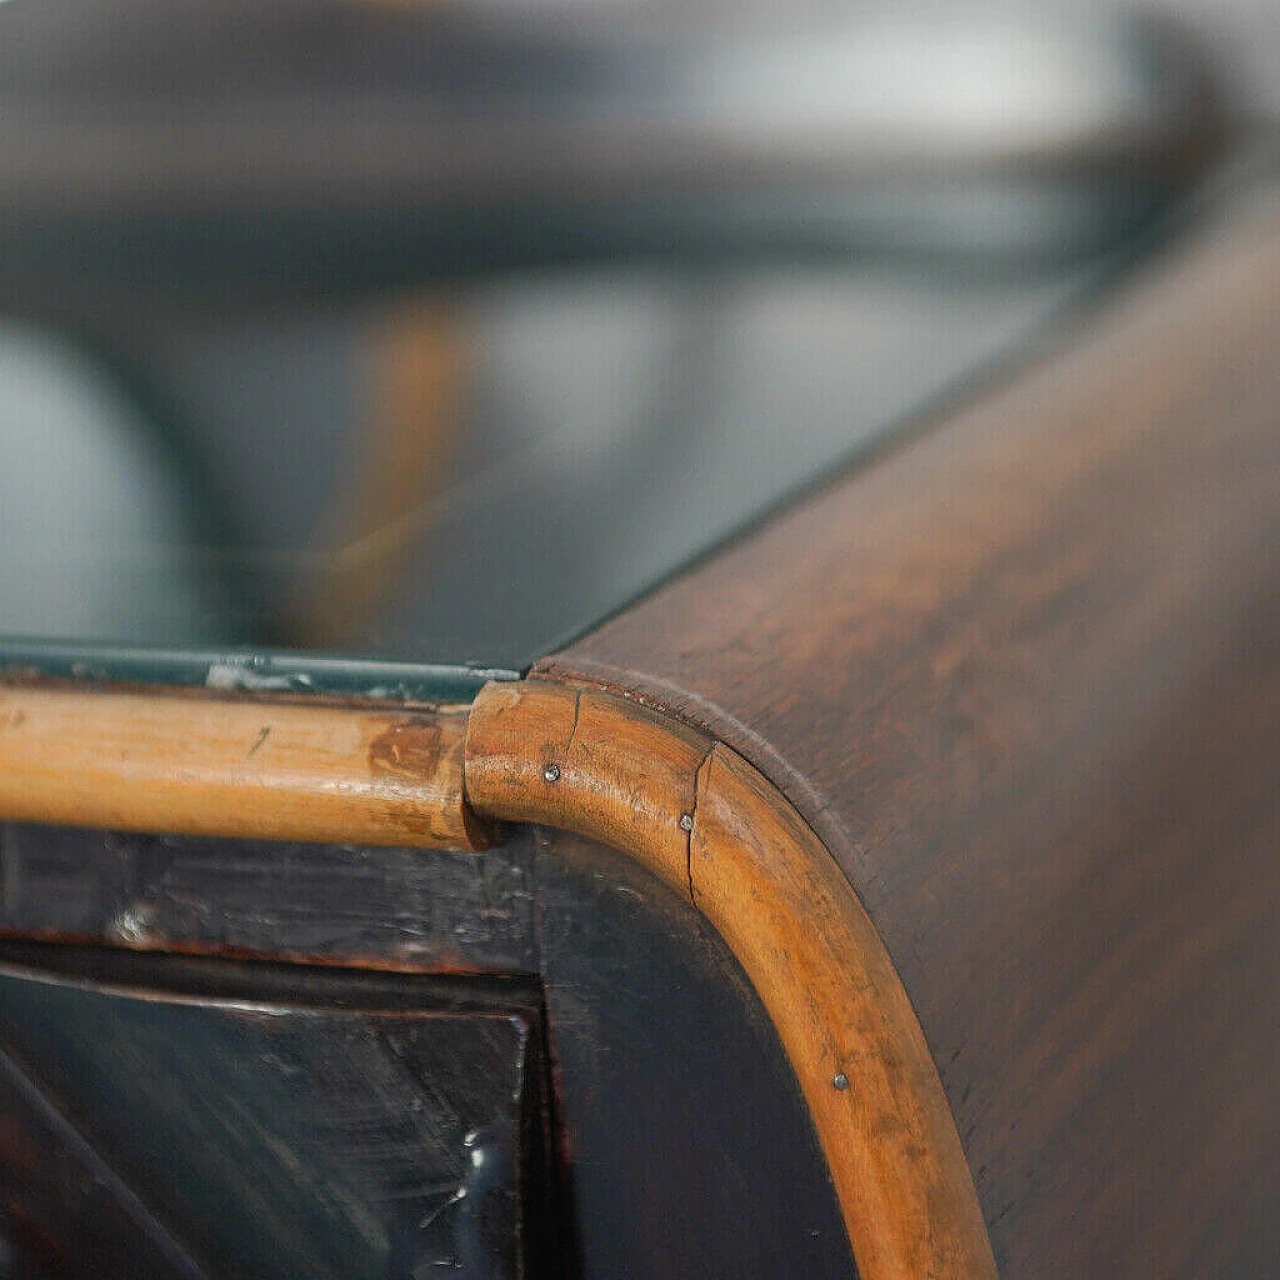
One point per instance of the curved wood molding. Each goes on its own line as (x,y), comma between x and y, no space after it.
(181,763)
(686,807)
(708,824)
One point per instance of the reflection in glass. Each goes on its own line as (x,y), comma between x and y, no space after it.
(437,336)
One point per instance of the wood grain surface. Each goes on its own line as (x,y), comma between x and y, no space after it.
(703,820)
(405,909)
(198,765)
(678,1116)
(1021,674)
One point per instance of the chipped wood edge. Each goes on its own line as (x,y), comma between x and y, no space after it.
(714,829)
(686,807)
(183,764)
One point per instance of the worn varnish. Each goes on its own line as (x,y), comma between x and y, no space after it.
(410,909)
(285,1122)
(678,1115)
(702,819)
(66,1211)
(221,766)
(1022,676)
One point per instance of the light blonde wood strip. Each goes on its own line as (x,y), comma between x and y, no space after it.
(606,767)
(208,766)
(542,752)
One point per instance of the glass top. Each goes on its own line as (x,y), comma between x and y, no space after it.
(344,346)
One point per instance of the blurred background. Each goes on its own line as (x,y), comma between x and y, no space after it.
(438,332)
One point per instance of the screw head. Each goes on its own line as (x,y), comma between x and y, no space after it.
(686,822)
(552,773)
(840,1080)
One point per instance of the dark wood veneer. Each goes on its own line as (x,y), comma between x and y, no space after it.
(1022,675)
(678,1118)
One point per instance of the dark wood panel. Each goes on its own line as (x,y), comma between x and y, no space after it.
(63,1210)
(693,1153)
(426,910)
(1022,674)
(686,1148)
(294,1122)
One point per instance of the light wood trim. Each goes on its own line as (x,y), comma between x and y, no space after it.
(598,764)
(210,766)
(684,806)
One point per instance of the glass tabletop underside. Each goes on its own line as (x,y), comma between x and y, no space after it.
(273,417)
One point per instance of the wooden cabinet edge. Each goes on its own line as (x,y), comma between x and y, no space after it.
(714,829)
(684,806)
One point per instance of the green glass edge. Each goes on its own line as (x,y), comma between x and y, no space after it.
(245,670)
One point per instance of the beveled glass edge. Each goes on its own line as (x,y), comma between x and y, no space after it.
(246,670)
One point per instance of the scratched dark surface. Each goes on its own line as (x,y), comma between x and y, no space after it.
(351,1140)
(399,907)
(63,1204)
(685,1148)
